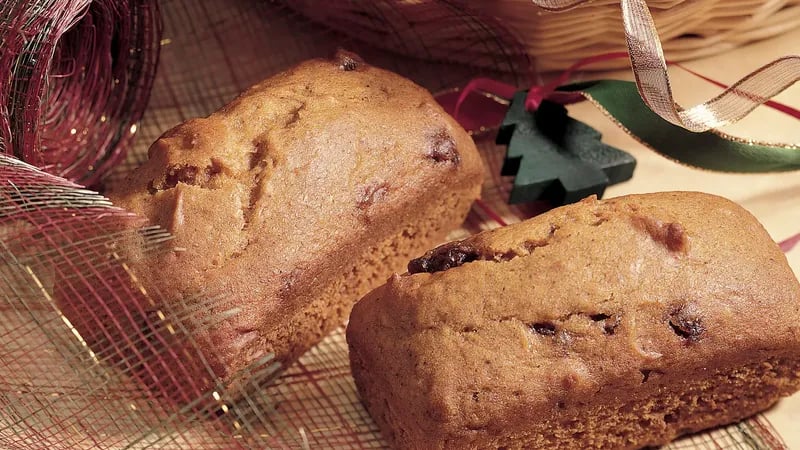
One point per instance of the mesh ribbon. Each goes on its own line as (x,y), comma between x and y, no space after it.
(91,358)
(80,75)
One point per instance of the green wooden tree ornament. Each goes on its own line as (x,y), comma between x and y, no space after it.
(555,157)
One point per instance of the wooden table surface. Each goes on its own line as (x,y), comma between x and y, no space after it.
(773,198)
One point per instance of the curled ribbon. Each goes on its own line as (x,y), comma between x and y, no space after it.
(688,136)
(652,79)
(620,101)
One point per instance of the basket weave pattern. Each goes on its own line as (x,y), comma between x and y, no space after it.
(688,28)
(554,40)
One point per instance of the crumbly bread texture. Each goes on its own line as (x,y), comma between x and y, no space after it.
(605,324)
(296,199)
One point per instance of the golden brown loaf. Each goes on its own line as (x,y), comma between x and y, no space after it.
(297,198)
(605,324)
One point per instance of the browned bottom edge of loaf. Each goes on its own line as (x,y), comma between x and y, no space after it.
(723,397)
(332,307)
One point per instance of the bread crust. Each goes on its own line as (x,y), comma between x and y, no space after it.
(606,324)
(296,199)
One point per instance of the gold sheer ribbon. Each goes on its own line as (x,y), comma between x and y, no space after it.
(652,79)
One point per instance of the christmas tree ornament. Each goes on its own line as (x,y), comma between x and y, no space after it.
(556,158)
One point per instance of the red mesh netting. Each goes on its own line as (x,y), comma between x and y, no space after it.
(80,76)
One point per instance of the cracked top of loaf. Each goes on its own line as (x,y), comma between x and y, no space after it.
(585,304)
(269,195)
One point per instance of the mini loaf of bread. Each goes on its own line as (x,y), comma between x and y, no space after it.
(604,324)
(296,199)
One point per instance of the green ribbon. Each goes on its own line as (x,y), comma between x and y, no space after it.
(710,150)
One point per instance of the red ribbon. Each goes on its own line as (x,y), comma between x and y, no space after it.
(788,244)
(537,94)
(491,212)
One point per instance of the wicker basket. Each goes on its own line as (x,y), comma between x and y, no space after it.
(444,29)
